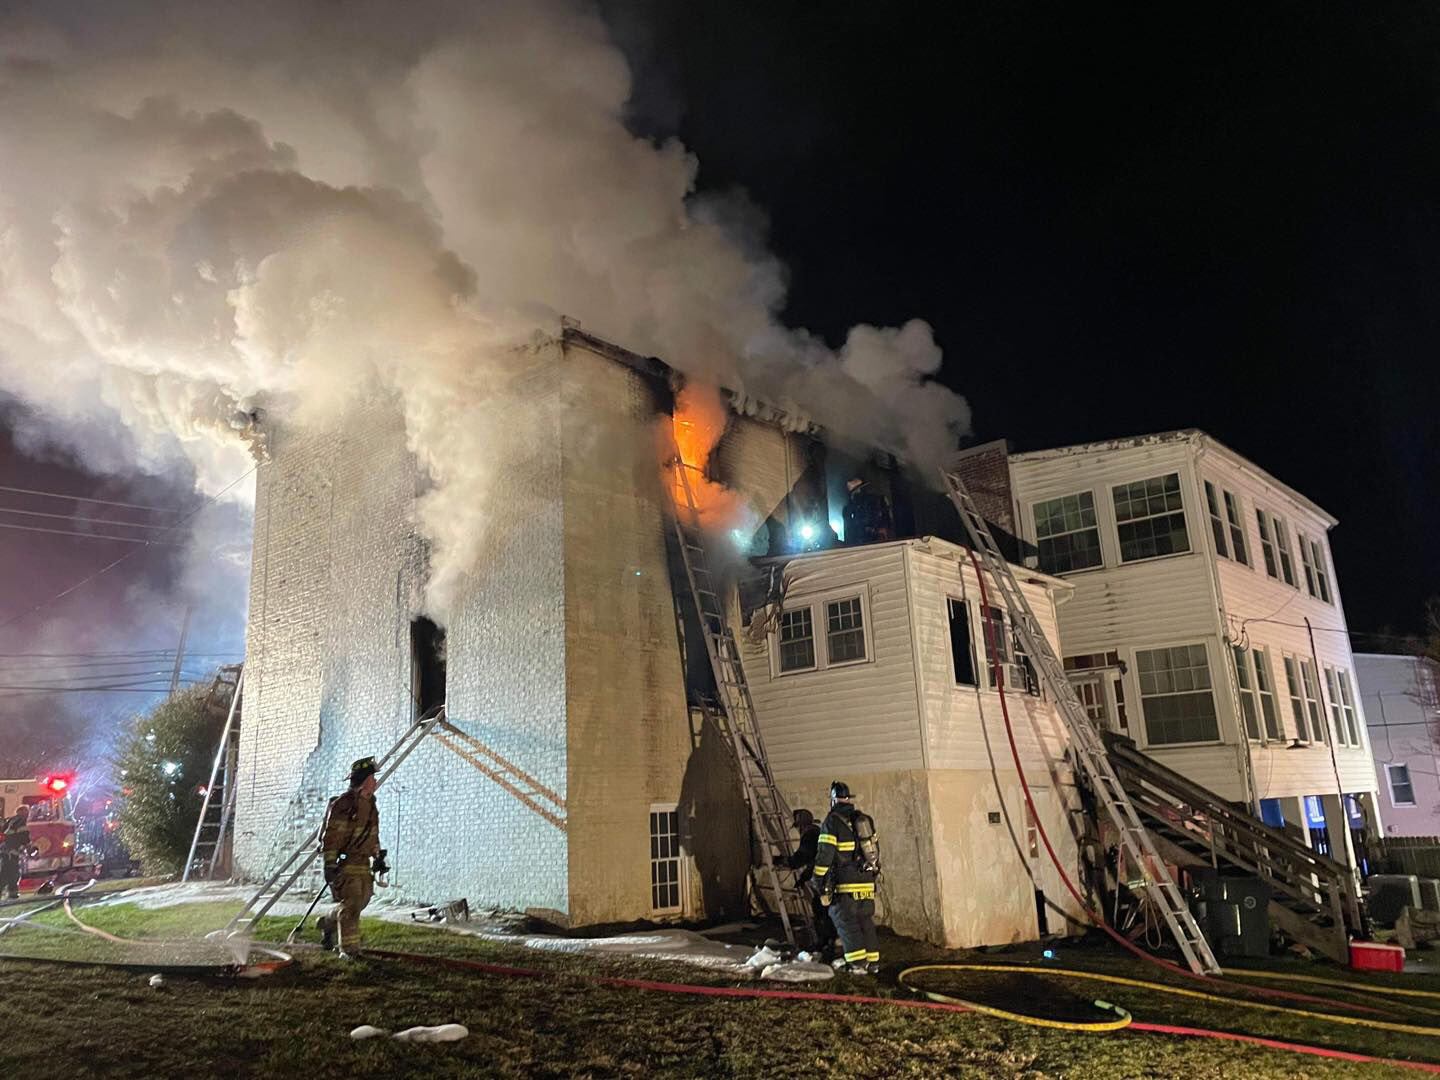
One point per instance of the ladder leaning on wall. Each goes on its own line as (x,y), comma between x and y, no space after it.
(1085,740)
(207,846)
(734,716)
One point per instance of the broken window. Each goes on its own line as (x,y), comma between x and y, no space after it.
(427,665)
(962,654)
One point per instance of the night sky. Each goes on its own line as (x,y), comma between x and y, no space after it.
(1117,220)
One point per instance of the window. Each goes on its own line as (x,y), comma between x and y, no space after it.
(427,666)
(1282,546)
(1265,692)
(1067,534)
(1003,647)
(1175,695)
(845,631)
(1267,545)
(797,640)
(1217,527)
(664,859)
(1307,563)
(1247,694)
(1310,682)
(1297,704)
(1150,518)
(1237,529)
(1347,707)
(1402,791)
(962,653)
(1337,716)
(1322,579)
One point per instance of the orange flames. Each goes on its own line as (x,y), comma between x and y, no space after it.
(698,424)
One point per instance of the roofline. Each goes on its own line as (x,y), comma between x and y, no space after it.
(1191,435)
(1024,573)
(654,367)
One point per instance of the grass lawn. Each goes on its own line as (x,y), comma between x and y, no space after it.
(104,1022)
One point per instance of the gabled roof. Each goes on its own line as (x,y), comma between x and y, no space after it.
(1195,437)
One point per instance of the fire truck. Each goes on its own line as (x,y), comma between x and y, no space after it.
(53,855)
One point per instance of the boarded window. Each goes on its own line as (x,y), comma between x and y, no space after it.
(844,631)
(962,653)
(1067,534)
(1150,518)
(665,860)
(797,640)
(1176,698)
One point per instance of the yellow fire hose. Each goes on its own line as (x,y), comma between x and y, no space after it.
(1163,988)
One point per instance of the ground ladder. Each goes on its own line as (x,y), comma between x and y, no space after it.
(734,715)
(1085,740)
(207,846)
(290,871)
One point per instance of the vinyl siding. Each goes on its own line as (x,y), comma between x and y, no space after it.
(963,724)
(1400,695)
(1263,611)
(860,718)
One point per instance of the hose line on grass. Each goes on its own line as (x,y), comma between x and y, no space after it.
(1163,988)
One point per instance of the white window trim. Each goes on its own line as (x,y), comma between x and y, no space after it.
(1337,709)
(1113,519)
(1237,525)
(981,649)
(682,860)
(1097,496)
(1281,528)
(1139,728)
(1302,719)
(816,603)
(1390,784)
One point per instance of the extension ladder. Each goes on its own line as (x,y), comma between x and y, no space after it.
(1085,740)
(734,715)
(290,871)
(216,811)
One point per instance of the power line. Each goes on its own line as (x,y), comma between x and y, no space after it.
(82,520)
(116,562)
(89,499)
(88,536)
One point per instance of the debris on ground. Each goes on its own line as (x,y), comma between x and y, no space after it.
(438,1033)
(157,982)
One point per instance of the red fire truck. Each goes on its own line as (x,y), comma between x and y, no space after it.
(53,855)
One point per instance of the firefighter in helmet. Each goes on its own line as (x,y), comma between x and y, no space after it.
(353,857)
(847,862)
(13,847)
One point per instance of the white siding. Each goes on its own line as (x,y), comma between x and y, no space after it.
(963,724)
(1263,611)
(860,718)
(1402,706)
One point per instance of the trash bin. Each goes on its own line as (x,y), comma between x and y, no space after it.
(1234,913)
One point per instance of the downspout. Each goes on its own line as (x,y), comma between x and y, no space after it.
(1227,662)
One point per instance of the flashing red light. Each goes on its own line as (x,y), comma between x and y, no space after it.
(56,784)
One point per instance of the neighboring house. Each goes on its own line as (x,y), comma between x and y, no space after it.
(597,795)
(876,671)
(1195,572)
(1401,695)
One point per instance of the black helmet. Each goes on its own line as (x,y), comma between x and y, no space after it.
(802,819)
(360,770)
(838,790)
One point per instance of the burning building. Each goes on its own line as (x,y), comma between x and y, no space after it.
(594,791)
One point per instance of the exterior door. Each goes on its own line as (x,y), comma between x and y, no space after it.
(1090,689)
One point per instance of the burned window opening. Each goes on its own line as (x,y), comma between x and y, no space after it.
(427,665)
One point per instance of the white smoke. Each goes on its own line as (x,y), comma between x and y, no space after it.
(299,203)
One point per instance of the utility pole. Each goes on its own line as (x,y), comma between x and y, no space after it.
(1344,838)
(180,652)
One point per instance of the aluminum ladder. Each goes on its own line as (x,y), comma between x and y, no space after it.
(1085,740)
(734,715)
(216,811)
(290,871)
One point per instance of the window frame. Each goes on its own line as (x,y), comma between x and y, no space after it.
(1294,691)
(1347,707)
(1337,724)
(1239,541)
(1181,512)
(1322,573)
(864,628)
(780,643)
(952,603)
(1095,514)
(1390,784)
(1265,694)
(1245,687)
(678,858)
(1217,523)
(1283,550)
(1013,655)
(1140,695)
(818,605)
(1268,553)
(1314,703)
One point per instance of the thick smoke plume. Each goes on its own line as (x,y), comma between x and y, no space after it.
(293,205)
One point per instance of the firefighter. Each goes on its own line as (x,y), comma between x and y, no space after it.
(867,515)
(846,864)
(803,861)
(13,847)
(351,841)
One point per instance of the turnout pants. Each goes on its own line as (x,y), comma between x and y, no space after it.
(854,919)
(352,892)
(10,872)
